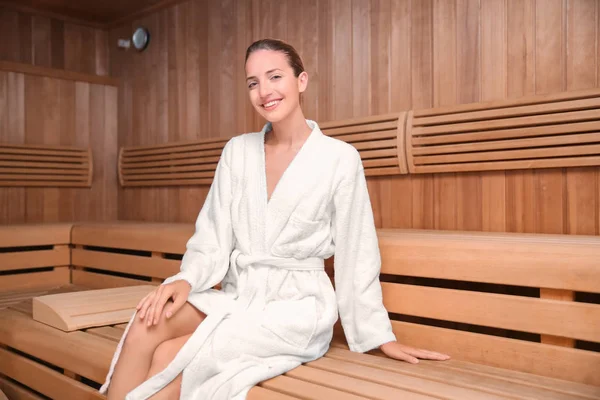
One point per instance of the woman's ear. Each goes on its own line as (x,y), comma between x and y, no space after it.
(302,81)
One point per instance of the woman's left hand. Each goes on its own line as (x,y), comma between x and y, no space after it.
(410,354)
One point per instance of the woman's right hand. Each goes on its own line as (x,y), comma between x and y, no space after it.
(151,306)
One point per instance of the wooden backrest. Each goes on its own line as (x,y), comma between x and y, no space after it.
(49,166)
(127,253)
(379,140)
(40,250)
(554,130)
(511,291)
(170,164)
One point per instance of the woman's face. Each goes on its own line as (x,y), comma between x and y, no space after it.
(274,90)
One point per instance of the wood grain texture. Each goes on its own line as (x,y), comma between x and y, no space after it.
(366,58)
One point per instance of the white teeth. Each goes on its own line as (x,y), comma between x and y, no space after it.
(271,103)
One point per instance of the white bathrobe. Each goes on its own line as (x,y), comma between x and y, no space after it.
(277,306)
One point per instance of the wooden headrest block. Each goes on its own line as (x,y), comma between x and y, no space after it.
(79,310)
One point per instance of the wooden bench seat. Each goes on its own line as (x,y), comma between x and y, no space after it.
(437,285)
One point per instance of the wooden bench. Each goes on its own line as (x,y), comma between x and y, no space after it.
(436,285)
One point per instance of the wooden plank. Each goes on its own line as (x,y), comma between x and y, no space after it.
(508,144)
(557,294)
(169,182)
(504,134)
(534,260)
(582,161)
(258,393)
(201,157)
(107,332)
(487,156)
(101,281)
(43,379)
(35,70)
(567,117)
(86,355)
(338,379)
(58,276)
(137,265)
(34,259)
(21,235)
(306,390)
(467,379)
(541,359)
(159,237)
(509,112)
(489,309)
(523,100)
(16,391)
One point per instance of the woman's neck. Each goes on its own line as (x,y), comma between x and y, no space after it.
(290,131)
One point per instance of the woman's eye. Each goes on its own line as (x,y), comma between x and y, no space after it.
(251,85)
(276,77)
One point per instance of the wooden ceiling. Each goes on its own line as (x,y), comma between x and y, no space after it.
(102,13)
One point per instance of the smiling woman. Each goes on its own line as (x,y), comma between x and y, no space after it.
(282,201)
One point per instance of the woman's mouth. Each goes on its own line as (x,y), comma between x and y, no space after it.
(271,105)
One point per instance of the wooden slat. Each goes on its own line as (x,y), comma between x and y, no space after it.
(77,154)
(488,156)
(147,164)
(79,173)
(35,70)
(306,390)
(387,128)
(567,117)
(506,165)
(325,126)
(168,182)
(102,281)
(505,134)
(534,260)
(157,237)
(180,175)
(535,358)
(58,276)
(498,104)
(201,157)
(489,309)
(509,144)
(258,393)
(338,380)
(33,259)
(136,265)
(86,355)
(508,112)
(43,379)
(16,391)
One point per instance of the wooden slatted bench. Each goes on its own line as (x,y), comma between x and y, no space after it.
(437,285)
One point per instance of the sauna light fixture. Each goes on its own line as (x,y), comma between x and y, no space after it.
(140,39)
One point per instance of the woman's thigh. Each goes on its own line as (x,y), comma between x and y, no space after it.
(183,322)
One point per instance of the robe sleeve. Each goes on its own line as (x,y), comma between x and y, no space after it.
(206,259)
(357,264)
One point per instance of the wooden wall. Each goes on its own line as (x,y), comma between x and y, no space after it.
(370,57)
(42,110)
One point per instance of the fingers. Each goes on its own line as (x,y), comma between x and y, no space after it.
(148,300)
(427,355)
(178,302)
(163,295)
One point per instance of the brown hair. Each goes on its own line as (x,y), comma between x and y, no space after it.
(292,55)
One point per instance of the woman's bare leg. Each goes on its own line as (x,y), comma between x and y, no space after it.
(140,344)
(164,354)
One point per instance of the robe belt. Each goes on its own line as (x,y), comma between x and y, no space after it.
(258,260)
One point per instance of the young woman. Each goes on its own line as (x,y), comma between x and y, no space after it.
(282,200)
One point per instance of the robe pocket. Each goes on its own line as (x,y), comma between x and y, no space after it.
(293,321)
(300,238)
